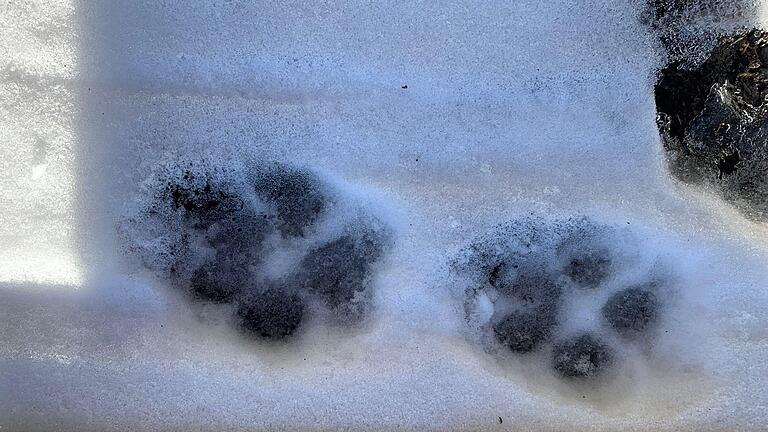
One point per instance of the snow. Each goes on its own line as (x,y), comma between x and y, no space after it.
(446,119)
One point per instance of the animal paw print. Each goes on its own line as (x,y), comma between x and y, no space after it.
(527,282)
(219,233)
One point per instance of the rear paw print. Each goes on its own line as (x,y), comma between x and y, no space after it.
(219,234)
(562,287)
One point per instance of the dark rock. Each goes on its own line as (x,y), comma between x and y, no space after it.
(631,311)
(666,18)
(681,93)
(524,331)
(713,120)
(295,194)
(581,357)
(667,11)
(678,23)
(272,314)
(665,8)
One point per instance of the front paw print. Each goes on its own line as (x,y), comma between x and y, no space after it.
(276,246)
(568,288)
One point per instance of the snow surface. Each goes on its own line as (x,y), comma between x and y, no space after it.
(447,117)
